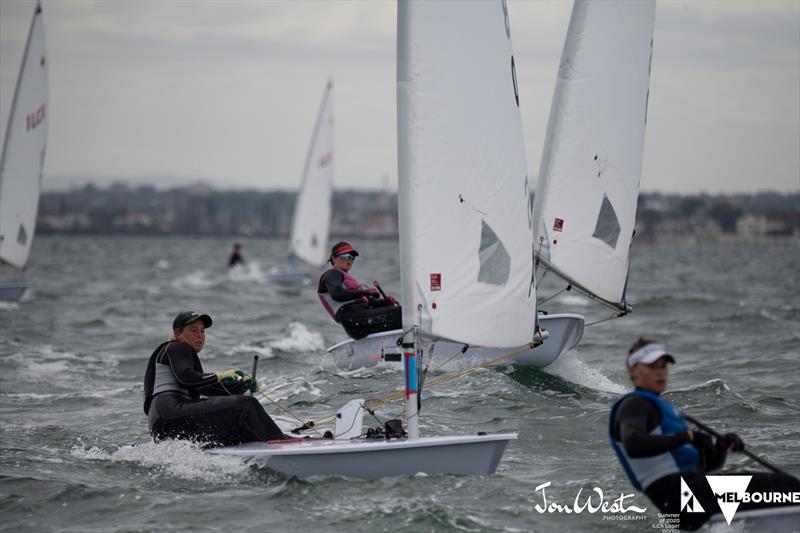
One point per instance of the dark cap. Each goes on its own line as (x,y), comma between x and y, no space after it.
(343,248)
(185,318)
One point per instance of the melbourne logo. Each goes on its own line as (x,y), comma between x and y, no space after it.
(689,503)
(729,491)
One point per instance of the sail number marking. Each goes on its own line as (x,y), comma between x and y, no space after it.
(35,118)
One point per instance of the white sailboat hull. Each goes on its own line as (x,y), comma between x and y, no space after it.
(565,331)
(770,520)
(373,459)
(12,291)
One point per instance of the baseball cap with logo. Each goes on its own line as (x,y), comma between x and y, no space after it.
(185,318)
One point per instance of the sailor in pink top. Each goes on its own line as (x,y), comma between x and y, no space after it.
(359,309)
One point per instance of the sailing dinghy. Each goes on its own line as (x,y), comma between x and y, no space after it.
(586,197)
(463,272)
(467,267)
(308,242)
(22,162)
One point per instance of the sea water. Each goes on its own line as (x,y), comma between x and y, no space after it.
(75,454)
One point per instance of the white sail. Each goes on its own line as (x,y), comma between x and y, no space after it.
(23,151)
(588,186)
(465,222)
(312,214)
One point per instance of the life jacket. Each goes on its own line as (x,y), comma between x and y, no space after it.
(159,378)
(331,305)
(165,381)
(643,471)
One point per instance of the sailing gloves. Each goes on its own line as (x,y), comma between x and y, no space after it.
(232,376)
(235,376)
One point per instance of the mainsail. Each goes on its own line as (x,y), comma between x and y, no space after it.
(465,219)
(23,151)
(312,214)
(586,196)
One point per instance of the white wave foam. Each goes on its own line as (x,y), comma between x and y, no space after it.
(249,273)
(572,369)
(176,458)
(300,339)
(198,279)
(162,264)
(9,306)
(264,352)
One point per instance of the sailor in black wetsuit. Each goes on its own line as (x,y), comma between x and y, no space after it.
(184,402)
(657,448)
(359,310)
(236,256)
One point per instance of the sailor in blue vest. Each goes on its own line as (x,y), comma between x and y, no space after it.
(183,401)
(657,448)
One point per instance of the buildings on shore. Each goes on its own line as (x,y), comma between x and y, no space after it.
(200,210)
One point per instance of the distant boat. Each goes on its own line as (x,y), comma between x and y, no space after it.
(586,197)
(22,162)
(308,242)
(465,236)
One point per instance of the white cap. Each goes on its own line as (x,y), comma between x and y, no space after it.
(649,354)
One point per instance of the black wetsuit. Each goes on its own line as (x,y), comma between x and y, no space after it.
(636,417)
(236,259)
(360,318)
(199,408)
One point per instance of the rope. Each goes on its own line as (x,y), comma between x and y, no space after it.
(567,288)
(612,317)
(376,403)
(290,413)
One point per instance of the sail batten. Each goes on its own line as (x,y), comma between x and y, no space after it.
(586,196)
(22,159)
(465,224)
(311,222)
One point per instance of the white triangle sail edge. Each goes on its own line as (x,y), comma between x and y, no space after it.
(586,196)
(312,214)
(465,215)
(23,153)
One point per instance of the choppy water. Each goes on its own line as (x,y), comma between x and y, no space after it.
(75,454)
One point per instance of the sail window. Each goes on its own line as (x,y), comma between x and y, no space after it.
(22,236)
(607,228)
(494,259)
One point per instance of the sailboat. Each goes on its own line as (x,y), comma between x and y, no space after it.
(465,234)
(22,162)
(564,330)
(586,197)
(308,242)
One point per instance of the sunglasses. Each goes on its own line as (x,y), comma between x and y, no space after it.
(348,257)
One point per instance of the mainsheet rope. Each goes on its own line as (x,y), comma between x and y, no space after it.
(376,403)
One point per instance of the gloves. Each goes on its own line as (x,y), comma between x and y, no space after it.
(250,383)
(232,376)
(712,453)
(702,441)
(733,443)
(372,291)
(392,300)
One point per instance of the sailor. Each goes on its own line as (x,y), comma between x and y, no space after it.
(658,449)
(236,256)
(360,310)
(182,401)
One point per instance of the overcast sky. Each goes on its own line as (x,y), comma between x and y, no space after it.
(227,92)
